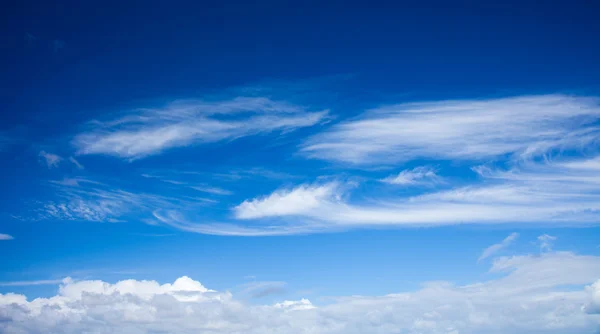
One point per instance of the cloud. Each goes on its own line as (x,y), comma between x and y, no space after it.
(493,249)
(546,242)
(550,193)
(285,202)
(76,163)
(528,297)
(263,289)
(461,130)
(212,190)
(146,132)
(87,200)
(593,307)
(32,283)
(422,175)
(6,236)
(51,160)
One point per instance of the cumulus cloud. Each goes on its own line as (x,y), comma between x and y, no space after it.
(465,129)
(527,298)
(422,175)
(6,236)
(493,249)
(150,131)
(51,160)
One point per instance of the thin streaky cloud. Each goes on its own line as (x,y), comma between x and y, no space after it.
(422,175)
(4,236)
(76,163)
(523,127)
(212,190)
(145,132)
(33,283)
(493,249)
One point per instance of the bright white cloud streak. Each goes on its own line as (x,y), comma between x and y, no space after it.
(151,131)
(463,129)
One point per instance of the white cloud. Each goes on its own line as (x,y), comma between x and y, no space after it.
(297,201)
(51,160)
(32,283)
(422,175)
(464,129)
(493,249)
(546,242)
(6,236)
(151,131)
(76,163)
(528,298)
(212,190)
(593,307)
(260,289)
(542,193)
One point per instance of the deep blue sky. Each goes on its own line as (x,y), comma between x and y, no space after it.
(66,63)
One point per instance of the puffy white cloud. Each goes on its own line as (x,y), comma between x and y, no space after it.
(464,129)
(528,298)
(297,201)
(493,249)
(150,131)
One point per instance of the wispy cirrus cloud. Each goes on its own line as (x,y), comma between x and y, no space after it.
(534,193)
(6,236)
(76,163)
(493,249)
(33,283)
(546,242)
(422,175)
(146,132)
(51,160)
(461,129)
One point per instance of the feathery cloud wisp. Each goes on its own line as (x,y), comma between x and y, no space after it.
(464,129)
(6,236)
(51,160)
(493,249)
(422,175)
(151,131)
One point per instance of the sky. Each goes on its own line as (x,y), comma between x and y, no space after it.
(300,167)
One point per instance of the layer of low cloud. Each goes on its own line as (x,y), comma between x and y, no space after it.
(527,298)
(461,130)
(151,131)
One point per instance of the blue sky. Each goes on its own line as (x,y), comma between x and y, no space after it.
(281,152)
